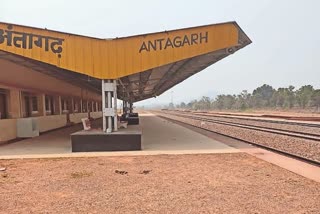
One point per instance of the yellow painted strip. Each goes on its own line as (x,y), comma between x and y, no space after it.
(112,59)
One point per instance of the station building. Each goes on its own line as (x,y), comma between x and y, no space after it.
(57,78)
(54,103)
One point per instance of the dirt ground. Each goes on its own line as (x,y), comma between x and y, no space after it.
(213,183)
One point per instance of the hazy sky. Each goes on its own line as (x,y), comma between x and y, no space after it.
(285,35)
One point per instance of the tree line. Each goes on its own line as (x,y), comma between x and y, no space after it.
(262,97)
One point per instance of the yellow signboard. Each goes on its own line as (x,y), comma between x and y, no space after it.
(115,58)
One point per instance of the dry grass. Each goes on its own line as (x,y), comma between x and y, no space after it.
(81,174)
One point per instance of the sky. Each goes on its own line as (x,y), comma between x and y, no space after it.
(285,35)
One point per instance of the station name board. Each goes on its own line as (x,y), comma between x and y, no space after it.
(175,42)
(29,41)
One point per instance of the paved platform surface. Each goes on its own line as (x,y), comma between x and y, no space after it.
(159,136)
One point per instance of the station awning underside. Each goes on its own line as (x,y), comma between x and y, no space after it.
(138,85)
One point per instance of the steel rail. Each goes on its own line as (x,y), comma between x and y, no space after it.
(297,134)
(256,119)
(279,151)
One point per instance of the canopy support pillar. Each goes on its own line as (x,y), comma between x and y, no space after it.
(109,108)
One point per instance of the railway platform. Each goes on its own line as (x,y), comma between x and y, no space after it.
(183,168)
(159,136)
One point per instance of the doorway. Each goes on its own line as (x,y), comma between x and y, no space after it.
(27,106)
(3,105)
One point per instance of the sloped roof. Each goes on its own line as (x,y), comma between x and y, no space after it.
(145,65)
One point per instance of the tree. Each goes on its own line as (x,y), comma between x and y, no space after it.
(192,104)
(242,100)
(218,103)
(262,96)
(283,97)
(204,103)
(291,96)
(225,101)
(316,99)
(183,105)
(304,95)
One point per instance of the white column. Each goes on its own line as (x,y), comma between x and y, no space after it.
(115,99)
(109,106)
(104,107)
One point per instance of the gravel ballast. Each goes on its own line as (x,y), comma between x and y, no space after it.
(305,148)
(213,183)
(249,121)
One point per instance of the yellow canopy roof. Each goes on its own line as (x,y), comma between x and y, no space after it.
(146,65)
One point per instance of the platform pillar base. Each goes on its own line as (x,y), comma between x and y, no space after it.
(99,141)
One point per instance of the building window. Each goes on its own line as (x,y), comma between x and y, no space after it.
(30,104)
(84,106)
(64,105)
(90,106)
(34,104)
(3,104)
(49,104)
(95,105)
(75,106)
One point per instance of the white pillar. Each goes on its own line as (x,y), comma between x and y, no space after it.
(115,99)
(109,109)
(109,106)
(104,107)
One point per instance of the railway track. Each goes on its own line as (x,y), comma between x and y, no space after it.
(297,134)
(304,124)
(312,137)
